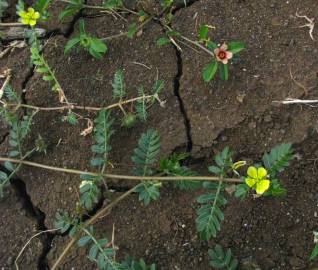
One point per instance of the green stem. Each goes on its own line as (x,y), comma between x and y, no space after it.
(92,220)
(192,42)
(125,33)
(102,8)
(17,168)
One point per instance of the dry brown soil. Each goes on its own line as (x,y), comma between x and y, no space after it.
(281,61)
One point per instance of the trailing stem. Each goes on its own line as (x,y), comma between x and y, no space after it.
(124,177)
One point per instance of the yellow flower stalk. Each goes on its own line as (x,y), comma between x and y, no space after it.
(29,17)
(256,179)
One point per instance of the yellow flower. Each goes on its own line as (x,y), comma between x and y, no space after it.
(29,17)
(257,179)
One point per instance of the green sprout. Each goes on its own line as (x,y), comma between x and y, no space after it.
(93,45)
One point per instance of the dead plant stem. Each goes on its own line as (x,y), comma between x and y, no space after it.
(72,107)
(123,177)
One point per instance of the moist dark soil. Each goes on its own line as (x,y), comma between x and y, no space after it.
(281,61)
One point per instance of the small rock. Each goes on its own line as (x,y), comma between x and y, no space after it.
(252,125)
(249,264)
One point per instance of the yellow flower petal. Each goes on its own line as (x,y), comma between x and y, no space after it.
(30,10)
(36,15)
(250,182)
(252,172)
(261,173)
(23,14)
(262,186)
(25,20)
(32,22)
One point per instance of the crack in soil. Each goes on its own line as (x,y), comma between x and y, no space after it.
(178,96)
(70,29)
(4,137)
(188,4)
(27,78)
(34,212)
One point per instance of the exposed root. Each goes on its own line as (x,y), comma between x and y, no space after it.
(310,24)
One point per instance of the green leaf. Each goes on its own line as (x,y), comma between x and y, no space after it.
(90,194)
(47,78)
(112,4)
(211,46)
(94,53)
(42,5)
(209,71)
(203,32)
(130,264)
(144,156)
(14,153)
(241,191)
(96,162)
(119,86)
(9,166)
(70,44)
(172,166)
(20,6)
(158,86)
(72,8)
(215,170)
(64,222)
(98,45)
(83,241)
(132,30)
(147,151)
(148,191)
(162,41)
(314,253)
(3,176)
(102,133)
(72,118)
(209,215)
(81,26)
(235,47)
(141,105)
(42,70)
(224,72)
(221,259)
(275,189)
(278,158)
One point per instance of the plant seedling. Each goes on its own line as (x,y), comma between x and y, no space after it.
(93,45)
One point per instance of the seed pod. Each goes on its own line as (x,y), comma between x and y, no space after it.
(129,120)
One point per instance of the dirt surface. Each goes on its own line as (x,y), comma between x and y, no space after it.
(277,48)
(281,61)
(17,226)
(90,85)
